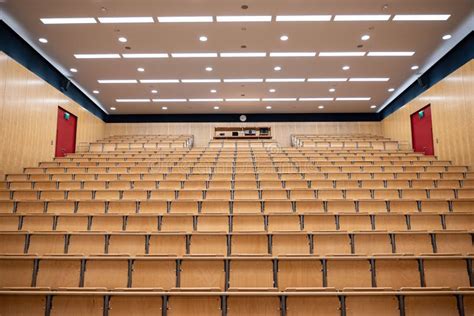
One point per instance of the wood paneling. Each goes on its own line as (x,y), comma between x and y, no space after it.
(203,132)
(28,118)
(452,113)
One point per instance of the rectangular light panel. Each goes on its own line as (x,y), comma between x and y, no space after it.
(132,100)
(243,100)
(193,55)
(292,54)
(154,55)
(117,81)
(96,56)
(244,18)
(341,54)
(243,80)
(390,54)
(185,19)
(200,80)
(316,99)
(285,80)
(368,79)
(168,100)
(137,19)
(364,17)
(159,81)
(421,17)
(278,99)
(68,21)
(255,54)
(206,100)
(303,18)
(327,79)
(353,99)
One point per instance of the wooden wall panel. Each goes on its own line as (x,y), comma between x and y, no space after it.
(452,111)
(203,132)
(28,118)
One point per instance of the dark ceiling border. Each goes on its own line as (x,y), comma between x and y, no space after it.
(17,48)
(459,55)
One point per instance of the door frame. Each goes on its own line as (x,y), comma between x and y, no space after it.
(411,127)
(57,130)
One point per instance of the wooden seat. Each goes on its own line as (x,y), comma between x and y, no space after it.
(9,222)
(122,207)
(290,244)
(77,305)
(413,243)
(127,244)
(59,273)
(454,243)
(91,207)
(16,273)
(431,305)
(171,223)
(218,195)
(248,223)
(213,224)
(331,244)
(283,223)
(397,273)
(395,222)
(153,207)
(348,274)
(203,274)
(30,207)
(307,207)
(354,222)
(341,206)
(86,244)
(251,274)
(403,207)
(372,305)
(313,305)
(459,221)
(142,223)
(446,273)
(194,305)
(154,274)
(37,223)
(369,244)
(322,222)
(162,195)
(434,206)
(145,305)
(46,244)
(251,305)
(249,244)
(425,222)
(60,207)
(247,207)
(103,273)
(107,223)
(190,195)
(204,244)
(184,207)
(274,194)
(215,207)
(22,304)
(167,245)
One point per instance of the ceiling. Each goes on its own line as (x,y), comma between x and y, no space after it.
(66,40)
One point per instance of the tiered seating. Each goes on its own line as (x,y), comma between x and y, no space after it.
(343,141)
(138,142)
(231,229)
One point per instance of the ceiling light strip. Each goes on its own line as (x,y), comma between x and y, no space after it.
(243,80)
(368,79)
(316,99)
(341,54)
(327,79)
(252,54)
(159,80)
(168,100)
(421,17)
(106,81)
(303,18)
(132,100)
(244,18)
(243,100)
(185,19)
(194,55)
(200,80)
(68,21)
(354,99)
(292,54)
(146,55)
(97,56)
(363,17)
(126,19)
(390,54)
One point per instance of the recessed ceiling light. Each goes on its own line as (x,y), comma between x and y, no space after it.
(153,55)
(373,106)
(327,79)
(122,39)
(154,91)
(375,17)
(368,79)
(244,18)
(321,107)
(168,100)
(185,19)
(365,37)
(203,38)
(113,109)
(292,54)
(243,54)
(43,40)
(213,91)
(285,80)
(209,69)
(415,67)
(68,21)
(391,90)
(316,99)
(206,100)
(200,80)
(353,99)
(243,100)
(346,68)
(96,56)
(117,81)
(159,81)
(73,70)
(272,90)
(132,100)
(341,54)
(243,80)
(421,17)
(216,108)
(164,108)
(284,38)
(390,54)
(138,19)
(332,90)
(447,36)
(277,68)
(278,99)
(193,55)
(303,18)
(95,92)
(140,69)
(268,107)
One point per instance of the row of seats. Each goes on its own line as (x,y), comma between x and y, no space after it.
(235,207)
(237,223)
(237,244)
(269,193)
(232,304)
(205,273)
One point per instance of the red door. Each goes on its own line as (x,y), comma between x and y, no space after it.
(66,133)
(422,131)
